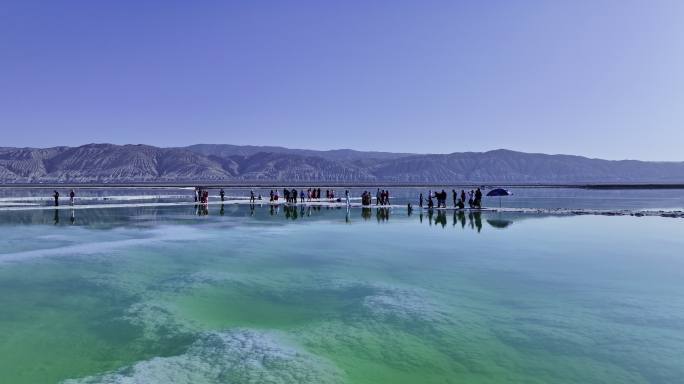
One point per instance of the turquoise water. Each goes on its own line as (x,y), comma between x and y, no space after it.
(160,295)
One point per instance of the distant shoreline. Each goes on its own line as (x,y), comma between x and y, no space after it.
(262,184)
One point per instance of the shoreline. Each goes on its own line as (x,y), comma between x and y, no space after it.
(342,205)
(318,184)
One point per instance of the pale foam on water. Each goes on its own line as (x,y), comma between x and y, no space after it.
(235,356)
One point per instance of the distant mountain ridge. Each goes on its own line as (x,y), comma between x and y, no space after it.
(109,163)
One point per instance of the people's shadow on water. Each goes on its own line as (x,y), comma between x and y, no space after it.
(72,218)
(202,209)
(473,220)
(56,218)
(366,213)
(291,212)
(382,214)
(441,218)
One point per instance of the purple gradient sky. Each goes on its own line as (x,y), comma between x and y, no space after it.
(596,78)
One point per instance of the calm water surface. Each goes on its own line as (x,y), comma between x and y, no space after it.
(161,295)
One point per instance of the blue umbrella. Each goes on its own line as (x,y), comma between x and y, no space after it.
(499,192)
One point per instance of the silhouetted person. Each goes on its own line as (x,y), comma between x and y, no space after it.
(478,198)
(420,200)
(56,196)
(223,194)
(454,195)
(72,196)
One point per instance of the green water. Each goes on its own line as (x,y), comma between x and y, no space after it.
(163,296)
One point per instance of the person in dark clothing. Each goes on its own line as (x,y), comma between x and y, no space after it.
(223,194)
(56,196)
(72,196)
(420,200)
(463,196)
(478,198)
(271,194)
(444,198)
(431,204)
(454,195)
(293,195)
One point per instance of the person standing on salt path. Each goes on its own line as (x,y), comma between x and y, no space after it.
(72,195)
(223,194)
(251,196)
(420,200)
(301,196)
(56,197)
(463,196)
(346,197)
(454,195)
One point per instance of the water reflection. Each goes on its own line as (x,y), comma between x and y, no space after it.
(462,218)
(105,218)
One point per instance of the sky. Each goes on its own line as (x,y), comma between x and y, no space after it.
(597,78)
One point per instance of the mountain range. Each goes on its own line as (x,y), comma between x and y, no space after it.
(109,163)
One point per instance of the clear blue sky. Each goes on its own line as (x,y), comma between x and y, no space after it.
(595,78)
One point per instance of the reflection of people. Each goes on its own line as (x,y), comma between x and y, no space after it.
(56,218)
(478,221)
(221,211)
(441,218)
(366,213)
(72,219)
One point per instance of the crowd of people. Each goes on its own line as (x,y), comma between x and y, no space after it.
(434,199)
(459,200)
(382,197)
